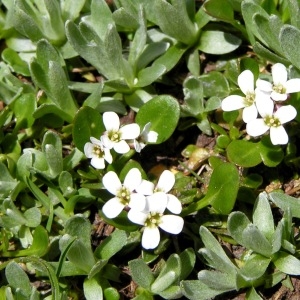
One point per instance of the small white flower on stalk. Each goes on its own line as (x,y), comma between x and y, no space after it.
(153,218)
(146,136)
(124,193)
(235,102)
(273,121)
(115,136)
(281,86)
(164,185)
(98,153)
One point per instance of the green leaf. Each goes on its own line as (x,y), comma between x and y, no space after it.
(254,268)
(294,10)
(163,112)
(236,224)
(17,278)
(111,245)
(14,60)
(39,246)
(179,25)
(287,263)
(256,241)
(168,275)
(218,42)
(263,217)
(198,290)
(141,273)
(214,84)
(223,188)
(252,295)
(286,202)
(290,43)
(223,11)
(87,123)
(210,242)
(92,289)
(244,153)
(149,75)
(217,280)
(7,182)
(187,259)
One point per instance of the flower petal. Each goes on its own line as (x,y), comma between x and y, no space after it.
(96,141)
(157,202)
(264,85)
(174,205)
(137,217)
(166,181)
(98,162)
(278,136)
(150,238)
(265,106)
(279,74)
(286,113)
(107,155)
(246,82)
(172,224)
(256,127)
(278,96)
(133,179)
(233,102)
(151,137)
(249,113)
(88,150)
(121,147)
(106,141)
(146,188)
(111,120)
(137,201)
(112,208)
(293,85)
(130,131)
(111,182)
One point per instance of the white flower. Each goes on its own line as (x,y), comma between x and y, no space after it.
(146,136)
(234,102)
(152,218)
(281,87)
(164,185)
(124,193)
(272,121)
(98,153)
(115,136)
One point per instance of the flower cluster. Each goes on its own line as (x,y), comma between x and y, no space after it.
(118,138)
(147,203)
(263,106)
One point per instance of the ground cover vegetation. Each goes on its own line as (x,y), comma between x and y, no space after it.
(149,149)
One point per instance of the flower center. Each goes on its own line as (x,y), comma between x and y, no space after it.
(153,219)
(249,99)
(279,88)
(114,136)
(97,150)
(271,121)
(124,195)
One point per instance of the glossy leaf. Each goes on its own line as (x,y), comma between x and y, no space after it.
(163,112)
(87,123)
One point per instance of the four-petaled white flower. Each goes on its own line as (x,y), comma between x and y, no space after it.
(273,121)
(124,193)
(281,86)
(234,102)
(115,136)
(146,136)
(98,153)
(164,185)
(153,218)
